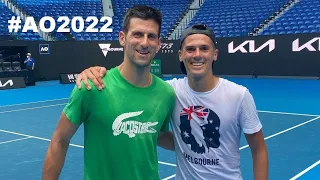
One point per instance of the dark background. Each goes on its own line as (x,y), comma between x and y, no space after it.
(73,57)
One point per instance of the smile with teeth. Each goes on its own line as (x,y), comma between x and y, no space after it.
(143,52)
(197,63)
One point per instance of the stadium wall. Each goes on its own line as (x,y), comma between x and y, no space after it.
(281,55)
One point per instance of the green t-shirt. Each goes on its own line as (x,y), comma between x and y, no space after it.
(121,127)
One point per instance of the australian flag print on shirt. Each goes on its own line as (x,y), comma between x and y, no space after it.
(200,128)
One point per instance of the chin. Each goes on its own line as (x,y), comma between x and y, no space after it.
(142,63)
(197,72)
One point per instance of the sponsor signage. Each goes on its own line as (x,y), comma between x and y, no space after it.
(68,78)
(44,49)
(12,83)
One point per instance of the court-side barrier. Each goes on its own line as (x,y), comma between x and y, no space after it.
(281,55)
(12,83)
(278,55)
(69,78)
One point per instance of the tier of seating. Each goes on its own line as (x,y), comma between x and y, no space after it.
(228,18)
(172,11)
(303,17)
(5,15)
(233,18)
(57,8)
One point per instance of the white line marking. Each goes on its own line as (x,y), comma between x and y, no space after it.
(169,164)
(34,102)
(243,147)
(261,111)
(35,137)
(14,140)
(306,170)
(39,107)
(286,113)
(75,145)
(286,130)
(170,177)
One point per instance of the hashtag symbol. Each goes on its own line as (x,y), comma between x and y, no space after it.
(14,24)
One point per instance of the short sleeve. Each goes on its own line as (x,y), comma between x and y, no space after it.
(172,81)
(76,109)
(248,116)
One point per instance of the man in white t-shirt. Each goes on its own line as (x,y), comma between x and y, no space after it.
(209,116)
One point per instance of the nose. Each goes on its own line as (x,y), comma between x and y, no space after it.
(197,54)
(144,42)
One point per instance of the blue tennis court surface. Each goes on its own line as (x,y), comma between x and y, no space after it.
(289,111)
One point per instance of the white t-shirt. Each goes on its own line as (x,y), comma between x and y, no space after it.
(207,127)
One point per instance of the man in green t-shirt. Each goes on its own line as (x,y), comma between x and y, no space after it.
(124,122)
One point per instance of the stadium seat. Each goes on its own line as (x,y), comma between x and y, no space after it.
(16,65)
(6,66)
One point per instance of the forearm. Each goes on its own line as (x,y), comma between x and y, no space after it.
(54,160)
(165,140)
(260,165)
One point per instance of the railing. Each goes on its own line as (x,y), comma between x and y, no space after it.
(183,25)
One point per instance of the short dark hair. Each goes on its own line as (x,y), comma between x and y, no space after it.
(141,12)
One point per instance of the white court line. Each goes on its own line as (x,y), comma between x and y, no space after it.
(75,145)
(35,137)
(306,170)
(34,102)
(14,140)
(271,112)
(39,107)
(262,111)
(286,130)
(286,113)
(170,177)
(169,164)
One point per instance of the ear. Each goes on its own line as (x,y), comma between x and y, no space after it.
(180,55)
(122,37)
(159,45)
(215,54)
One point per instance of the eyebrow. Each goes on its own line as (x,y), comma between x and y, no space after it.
(201,46)
(141,31)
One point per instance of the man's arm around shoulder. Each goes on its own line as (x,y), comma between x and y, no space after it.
(165,140)
(57,149)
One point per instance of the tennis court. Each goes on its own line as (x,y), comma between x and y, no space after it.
(289,111)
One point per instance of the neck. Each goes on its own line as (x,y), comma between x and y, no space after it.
(137,76)
(203,84)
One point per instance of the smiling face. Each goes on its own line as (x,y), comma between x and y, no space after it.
(198,53)
(141,42)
